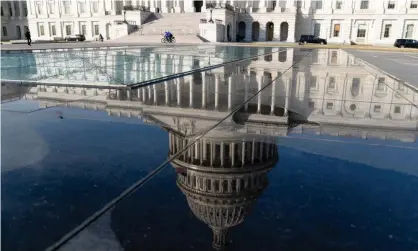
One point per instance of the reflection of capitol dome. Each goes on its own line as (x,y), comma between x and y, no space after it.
(222,175)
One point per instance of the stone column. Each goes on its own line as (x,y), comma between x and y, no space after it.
(222,154)
(243,153)
(273,96)
(177,7)
(211,153)
(144,95)
(191,92)
(217,80)
(232,154)
(230,80)
(288,93)
(262,7)
(166,93)
(253,152)
(247,82)
(260,83)
(203,90)
(155,94)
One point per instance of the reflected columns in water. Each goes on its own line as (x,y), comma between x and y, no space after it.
(203,90)
(273,94)
(191,91)
(230,81)
(217,80)
(287,98)
(260,82)
(167,103)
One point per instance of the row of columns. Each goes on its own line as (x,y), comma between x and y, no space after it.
(231,154)
(149,93)
(14,9)
(226,185)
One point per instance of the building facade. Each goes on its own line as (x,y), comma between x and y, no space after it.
(339,21)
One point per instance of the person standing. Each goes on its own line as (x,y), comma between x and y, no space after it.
(28,37)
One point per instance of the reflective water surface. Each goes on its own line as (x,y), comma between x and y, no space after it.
(292,150)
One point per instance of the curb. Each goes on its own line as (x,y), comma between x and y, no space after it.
(329,46)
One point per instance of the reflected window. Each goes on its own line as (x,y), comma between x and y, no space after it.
(339,4)
(268,58)
(391,4)
(314,79)
(318,5)
(334,57)
(381,84)
(377,108)
(317,29)
(330,106)
(315,57)
(353,107)
(397,109)
(386,31)
(282,56)
(355,87)
(331,83)
(311,104)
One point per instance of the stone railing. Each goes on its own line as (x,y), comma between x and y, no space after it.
(220,6)
(136,8)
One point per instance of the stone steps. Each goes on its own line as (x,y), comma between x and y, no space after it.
(185,24)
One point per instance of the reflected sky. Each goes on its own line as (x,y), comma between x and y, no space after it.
(275,151)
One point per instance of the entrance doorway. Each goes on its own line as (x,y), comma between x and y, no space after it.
(284,31)
(228,32)
(198,6)
(241,31)
(269,31)
(256,31)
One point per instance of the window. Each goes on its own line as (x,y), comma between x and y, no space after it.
(334,57)
(364,5)
(39,8)
(414,4)
(67,6)
(361,30)
(81,7)
(313,82)
(96,30)
(298,3)
(377,108)
(68,30)
(51,7)
(397,109)
(95,6)
(41,30)
(391,5)
(386,33)
(4,31)
(318,5)
(317,29)
(83,29)
(337,30)
(330,105)
(52,30)
(2,13)
(331,83)
(409,31)
(339,4)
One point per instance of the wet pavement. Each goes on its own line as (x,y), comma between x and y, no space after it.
(294,149)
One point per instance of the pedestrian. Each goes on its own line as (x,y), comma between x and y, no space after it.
(27,35)
(101,37)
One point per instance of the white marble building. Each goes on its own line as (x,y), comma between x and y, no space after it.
(339,21)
